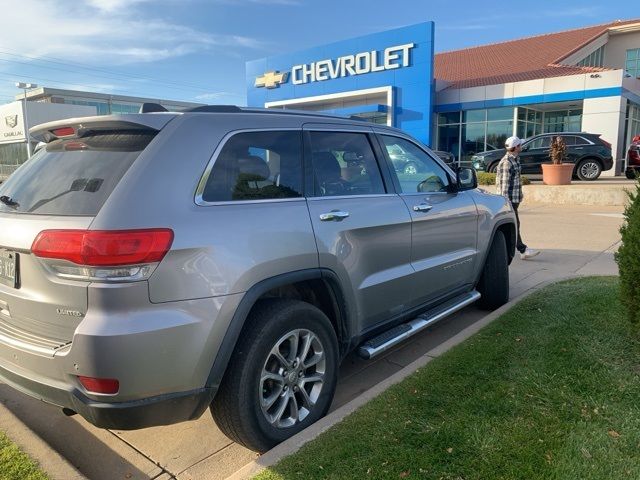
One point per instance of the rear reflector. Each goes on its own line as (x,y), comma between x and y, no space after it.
(102,248)
(100,385)
(64,132)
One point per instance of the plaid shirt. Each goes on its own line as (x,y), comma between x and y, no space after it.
(508,183)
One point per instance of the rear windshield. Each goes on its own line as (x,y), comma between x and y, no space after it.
(73,176)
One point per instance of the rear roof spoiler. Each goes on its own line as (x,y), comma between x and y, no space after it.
(130,121)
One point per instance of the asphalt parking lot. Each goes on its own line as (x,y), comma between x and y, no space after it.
(574,240)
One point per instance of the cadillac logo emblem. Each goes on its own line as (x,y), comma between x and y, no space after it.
(11,121)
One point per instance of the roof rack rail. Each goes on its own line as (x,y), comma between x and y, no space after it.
(215,109)
(356,117)
(149,107)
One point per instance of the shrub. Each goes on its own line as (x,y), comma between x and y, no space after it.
(628,257)
(486,178)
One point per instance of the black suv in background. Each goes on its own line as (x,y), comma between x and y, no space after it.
(405,162)
(590,153)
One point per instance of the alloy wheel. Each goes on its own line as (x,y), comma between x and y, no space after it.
(589,170)
(410,169)
(292,378)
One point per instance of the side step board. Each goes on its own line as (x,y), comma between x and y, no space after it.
(392,337)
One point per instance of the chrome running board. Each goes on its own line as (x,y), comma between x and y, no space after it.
(383,342)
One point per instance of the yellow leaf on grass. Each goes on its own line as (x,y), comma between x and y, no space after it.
(613,434)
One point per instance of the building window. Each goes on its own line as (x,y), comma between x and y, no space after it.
(632,65)
(12,155)
(529,122)
(596,59)
(466,133)
(633,122)
(563,121)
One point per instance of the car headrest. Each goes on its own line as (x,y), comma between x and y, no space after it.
(326,166)
(254,165)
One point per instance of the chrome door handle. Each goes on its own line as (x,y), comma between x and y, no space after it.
(333,215)
(423,207)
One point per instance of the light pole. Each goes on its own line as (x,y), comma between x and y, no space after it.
(25,87)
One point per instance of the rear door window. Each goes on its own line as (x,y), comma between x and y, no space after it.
(256,166)
(73,176)
(344,164)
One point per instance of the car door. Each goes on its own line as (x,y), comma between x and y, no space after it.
(445,225)
(534,153)
(362,228)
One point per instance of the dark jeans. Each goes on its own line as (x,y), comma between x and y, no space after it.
(520,246)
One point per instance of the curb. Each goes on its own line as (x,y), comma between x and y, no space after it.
(51,462)
(293,444)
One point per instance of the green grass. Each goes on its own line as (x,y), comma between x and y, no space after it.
(551,390)
(16,465)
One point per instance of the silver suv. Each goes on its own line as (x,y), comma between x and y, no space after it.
(155,265)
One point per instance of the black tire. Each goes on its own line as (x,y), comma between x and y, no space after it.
(493,168)
(237,406)
(630,174)
(588,169)
(494,281)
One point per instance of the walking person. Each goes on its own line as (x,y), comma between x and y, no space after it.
(509,185)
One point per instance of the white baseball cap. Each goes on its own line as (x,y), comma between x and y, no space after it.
(512,142)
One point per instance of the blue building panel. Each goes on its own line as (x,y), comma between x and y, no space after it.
(411,80)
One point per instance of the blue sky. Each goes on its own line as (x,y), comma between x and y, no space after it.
(195,50)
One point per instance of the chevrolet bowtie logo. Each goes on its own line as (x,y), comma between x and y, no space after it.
(272,79)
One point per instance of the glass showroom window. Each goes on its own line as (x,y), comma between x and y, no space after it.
(563,121)
(529,122)
(633,121)
(449,133)
(466,133)
(632,66)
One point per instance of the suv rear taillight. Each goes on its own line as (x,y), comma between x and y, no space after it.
(634,155)
(108,255)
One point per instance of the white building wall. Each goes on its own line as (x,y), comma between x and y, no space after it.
(606,116)
(615,53)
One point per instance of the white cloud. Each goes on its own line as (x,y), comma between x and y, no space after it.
(104,32)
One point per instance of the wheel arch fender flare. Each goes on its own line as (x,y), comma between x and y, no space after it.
(511,241)
(252,296)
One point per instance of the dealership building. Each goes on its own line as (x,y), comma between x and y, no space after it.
(44,104)
(470,100)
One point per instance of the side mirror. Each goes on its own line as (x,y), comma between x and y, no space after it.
(466,178)
(525,148)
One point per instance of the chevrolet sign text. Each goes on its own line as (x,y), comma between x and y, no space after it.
(358,64)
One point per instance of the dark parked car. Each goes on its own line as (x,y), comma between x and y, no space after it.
(590,153)
(446,157)
(633,158)
(405,162)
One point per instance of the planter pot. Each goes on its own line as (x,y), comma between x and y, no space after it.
(557,174)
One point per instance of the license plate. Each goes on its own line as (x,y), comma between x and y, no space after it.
(9,268)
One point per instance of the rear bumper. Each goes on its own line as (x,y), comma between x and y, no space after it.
(607,163)
(147,412)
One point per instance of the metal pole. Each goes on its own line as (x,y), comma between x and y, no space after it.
(26,124)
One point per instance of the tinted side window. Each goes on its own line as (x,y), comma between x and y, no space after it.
(582,141)
(542,142)
(344,164)
(415,169)
(257,166)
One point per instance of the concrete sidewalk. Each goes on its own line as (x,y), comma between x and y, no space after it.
(575,239)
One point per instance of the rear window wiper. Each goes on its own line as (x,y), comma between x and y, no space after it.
(9,201)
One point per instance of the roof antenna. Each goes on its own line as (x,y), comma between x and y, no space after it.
(151,108)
